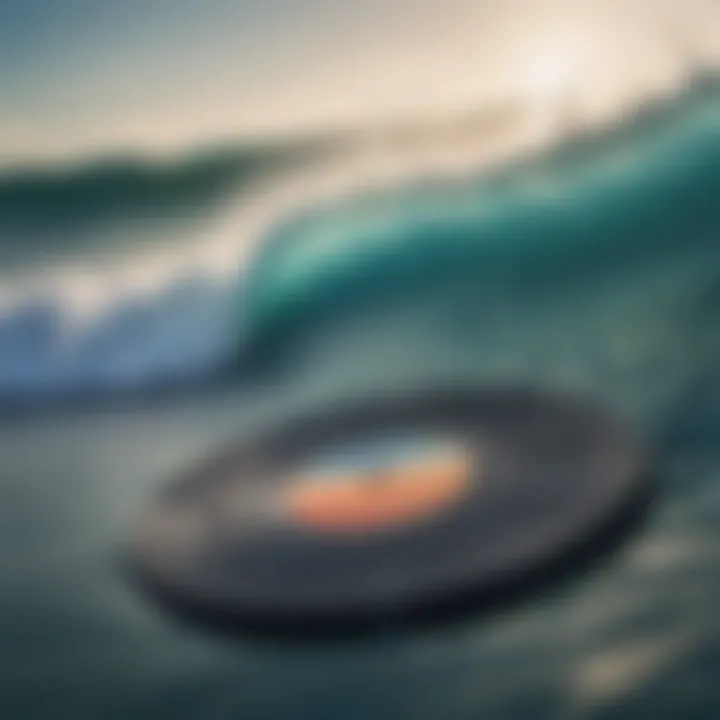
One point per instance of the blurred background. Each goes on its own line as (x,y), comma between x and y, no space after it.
(216,215)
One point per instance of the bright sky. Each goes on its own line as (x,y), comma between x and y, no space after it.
(83,76)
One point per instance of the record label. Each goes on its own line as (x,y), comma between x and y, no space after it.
(380,484)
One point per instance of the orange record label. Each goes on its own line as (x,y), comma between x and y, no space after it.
(378,485)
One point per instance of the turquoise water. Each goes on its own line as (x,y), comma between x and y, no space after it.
(638,194)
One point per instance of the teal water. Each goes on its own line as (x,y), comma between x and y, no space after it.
(637,194)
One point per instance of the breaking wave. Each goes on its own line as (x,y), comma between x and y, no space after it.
(131,275)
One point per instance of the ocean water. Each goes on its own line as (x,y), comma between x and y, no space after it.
(132,275)
(593,264)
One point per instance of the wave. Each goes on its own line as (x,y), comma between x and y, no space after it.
(600,200)
(111,189)
(119,275)
(189,265)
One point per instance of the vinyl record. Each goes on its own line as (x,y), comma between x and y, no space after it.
(393,511)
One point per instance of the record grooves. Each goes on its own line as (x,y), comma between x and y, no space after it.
(398,511)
